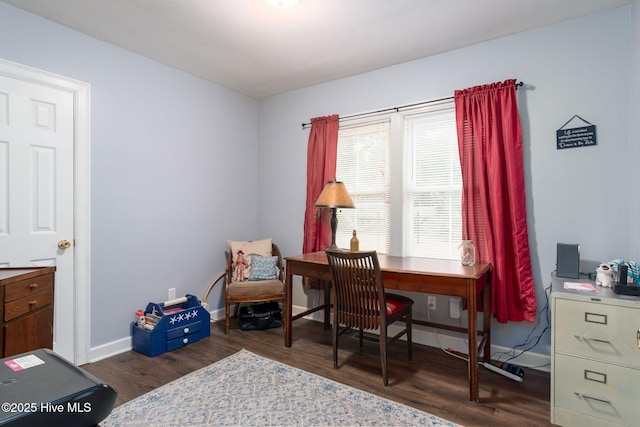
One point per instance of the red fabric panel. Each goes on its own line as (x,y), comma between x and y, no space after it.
(322,151)
(493,200)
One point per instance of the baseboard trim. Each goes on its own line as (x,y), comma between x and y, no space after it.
(421,335)
(432,337)
(110,349)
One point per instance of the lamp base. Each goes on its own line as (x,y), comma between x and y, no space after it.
(335,248)
(334,227)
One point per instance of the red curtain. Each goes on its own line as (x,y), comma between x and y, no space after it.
(322,151)
(494,212)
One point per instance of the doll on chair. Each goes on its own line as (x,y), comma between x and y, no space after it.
(240,266)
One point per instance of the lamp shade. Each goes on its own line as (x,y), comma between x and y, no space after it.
(334,195)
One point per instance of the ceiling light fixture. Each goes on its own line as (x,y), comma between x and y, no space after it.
(282,3)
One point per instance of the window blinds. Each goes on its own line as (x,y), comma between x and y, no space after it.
(363,165)
(432,183)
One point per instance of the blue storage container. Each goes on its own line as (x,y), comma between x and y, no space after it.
(180,322)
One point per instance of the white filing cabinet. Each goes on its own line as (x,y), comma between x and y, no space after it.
(595,357)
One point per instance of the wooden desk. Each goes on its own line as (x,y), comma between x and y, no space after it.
(426,275)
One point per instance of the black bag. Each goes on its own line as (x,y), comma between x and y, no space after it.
(260,316)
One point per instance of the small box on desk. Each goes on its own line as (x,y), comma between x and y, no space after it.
(179,322)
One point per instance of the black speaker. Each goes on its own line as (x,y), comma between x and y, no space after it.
(568,260)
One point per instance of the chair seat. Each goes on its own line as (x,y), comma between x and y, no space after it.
(396,303)
(255,289)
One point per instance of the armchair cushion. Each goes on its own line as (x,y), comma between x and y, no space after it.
(263,268)
(256,247)
(249,290)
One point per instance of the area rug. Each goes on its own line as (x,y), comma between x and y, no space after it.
(245,389)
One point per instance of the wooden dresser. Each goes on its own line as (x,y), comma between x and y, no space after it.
(26,309)
(595,356)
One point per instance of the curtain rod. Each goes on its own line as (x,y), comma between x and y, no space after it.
(401,107)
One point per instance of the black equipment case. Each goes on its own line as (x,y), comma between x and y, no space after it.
(260,316)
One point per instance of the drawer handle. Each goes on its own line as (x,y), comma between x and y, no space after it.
(33,286)
(638,337)
(186,330)
(584,396)
(583,338)
(185,340)
(33,302)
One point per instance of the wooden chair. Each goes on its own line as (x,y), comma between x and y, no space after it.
(253,291)
(358,295)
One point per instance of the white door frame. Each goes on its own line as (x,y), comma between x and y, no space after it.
(82,192)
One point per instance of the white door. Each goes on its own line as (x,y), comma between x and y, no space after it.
(37,190)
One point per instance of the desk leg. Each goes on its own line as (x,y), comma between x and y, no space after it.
(288,311)
(327,304)
(473,333)
(486,321)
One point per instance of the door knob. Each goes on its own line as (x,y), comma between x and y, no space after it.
(64,244)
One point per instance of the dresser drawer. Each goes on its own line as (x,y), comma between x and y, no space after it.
(184,330)
(28,304)
(597,389)
(180,342)
(600,331)
(26,287)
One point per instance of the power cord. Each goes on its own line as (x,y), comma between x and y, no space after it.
(530,342)
(447,351)
(530,338)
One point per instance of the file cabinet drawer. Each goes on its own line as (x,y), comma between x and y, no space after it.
(597,389)
(596,330)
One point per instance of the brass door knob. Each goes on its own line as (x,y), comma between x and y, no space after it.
(64,244)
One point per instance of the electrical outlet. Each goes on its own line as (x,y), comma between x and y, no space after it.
(431,302)
(172,293)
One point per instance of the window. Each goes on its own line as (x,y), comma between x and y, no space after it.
(432,184)
(363,165)
(403,173)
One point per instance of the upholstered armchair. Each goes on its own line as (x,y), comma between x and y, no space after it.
(259,278)
(262,276)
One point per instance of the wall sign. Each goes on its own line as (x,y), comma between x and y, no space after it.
(570,137)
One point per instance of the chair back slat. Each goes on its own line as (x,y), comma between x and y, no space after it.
(358,289)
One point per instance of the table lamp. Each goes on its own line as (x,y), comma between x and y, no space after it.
(334,195)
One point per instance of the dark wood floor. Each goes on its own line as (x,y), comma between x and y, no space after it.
(435,382)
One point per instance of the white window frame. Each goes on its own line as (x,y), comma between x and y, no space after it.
(345,216)
(400,224)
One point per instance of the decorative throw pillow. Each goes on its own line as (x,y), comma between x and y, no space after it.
(263,268)
(256,247)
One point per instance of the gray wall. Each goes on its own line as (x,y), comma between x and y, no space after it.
(634,141)
(578,67)
(168,154)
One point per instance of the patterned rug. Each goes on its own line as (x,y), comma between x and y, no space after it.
(245,389)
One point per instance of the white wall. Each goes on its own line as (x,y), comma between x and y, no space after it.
(169,153)
(579,67)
